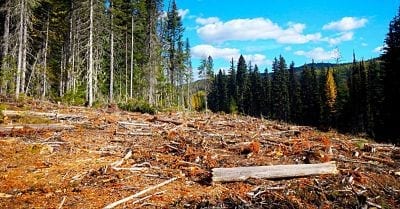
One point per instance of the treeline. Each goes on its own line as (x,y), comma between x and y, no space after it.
(94,51)
(361,97)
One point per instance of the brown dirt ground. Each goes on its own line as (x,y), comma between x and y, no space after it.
(40,169)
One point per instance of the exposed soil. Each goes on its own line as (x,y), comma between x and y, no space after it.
(111,154)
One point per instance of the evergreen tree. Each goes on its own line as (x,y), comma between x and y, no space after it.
(294,95)
(310,96)
(257,93)
(375,99)
(280,90)
(242,83)
(173,46)
(391,66)
(267,107)
(232,88)
(222,95)
(358,103)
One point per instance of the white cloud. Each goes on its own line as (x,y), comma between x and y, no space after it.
(364,44)
(346,24)
(319,54)
(345,36)
(201,51)
(205,50)
(257,59)
(288,48)
(205,21)
(380,49)
(183,13)
(254,29)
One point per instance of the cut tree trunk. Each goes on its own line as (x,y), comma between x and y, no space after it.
(272,172)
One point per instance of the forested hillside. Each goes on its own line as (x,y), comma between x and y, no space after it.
(360,97)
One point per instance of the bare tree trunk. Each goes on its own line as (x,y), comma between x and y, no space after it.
(62,71)
(44,85)
(25,46)
(90,73)
(126,65)
(111,96)
(20,49)
(131,77)
(71,50)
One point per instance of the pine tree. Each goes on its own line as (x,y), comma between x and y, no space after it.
(280,90)
(173,38)
(232,88)
(267,107)
(375,99)
(257,93)
(310,96)
(294,95)
(391,64)
(242,84)
(222,93)
(358,103)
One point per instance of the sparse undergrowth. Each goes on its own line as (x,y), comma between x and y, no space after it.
(137,106)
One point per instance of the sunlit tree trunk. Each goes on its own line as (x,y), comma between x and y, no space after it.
(44,84)
(131,77)
(90,68)
(111,94)
(20,49)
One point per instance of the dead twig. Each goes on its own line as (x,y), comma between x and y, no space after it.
(62,202)
(126,199)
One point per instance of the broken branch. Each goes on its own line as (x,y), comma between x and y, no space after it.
(126,199)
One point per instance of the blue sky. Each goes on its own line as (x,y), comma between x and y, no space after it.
(300,30)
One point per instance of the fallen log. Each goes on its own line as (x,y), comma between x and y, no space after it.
(35,127)
(11,113)
(178,123)
(381,160)
(272,172)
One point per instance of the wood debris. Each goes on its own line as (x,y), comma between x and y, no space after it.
(74,157)
(272,172)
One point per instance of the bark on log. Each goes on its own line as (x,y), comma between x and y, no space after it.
(35,127)
(11,113)
(272,172)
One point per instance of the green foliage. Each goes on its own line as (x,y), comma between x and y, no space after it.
(198,101)
(134,105)
(280,90)
(310,98)
(242,83)
(391,66)
(2,107)
(72,97)
(294,95)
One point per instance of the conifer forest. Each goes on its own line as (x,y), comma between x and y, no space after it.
(102,103)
